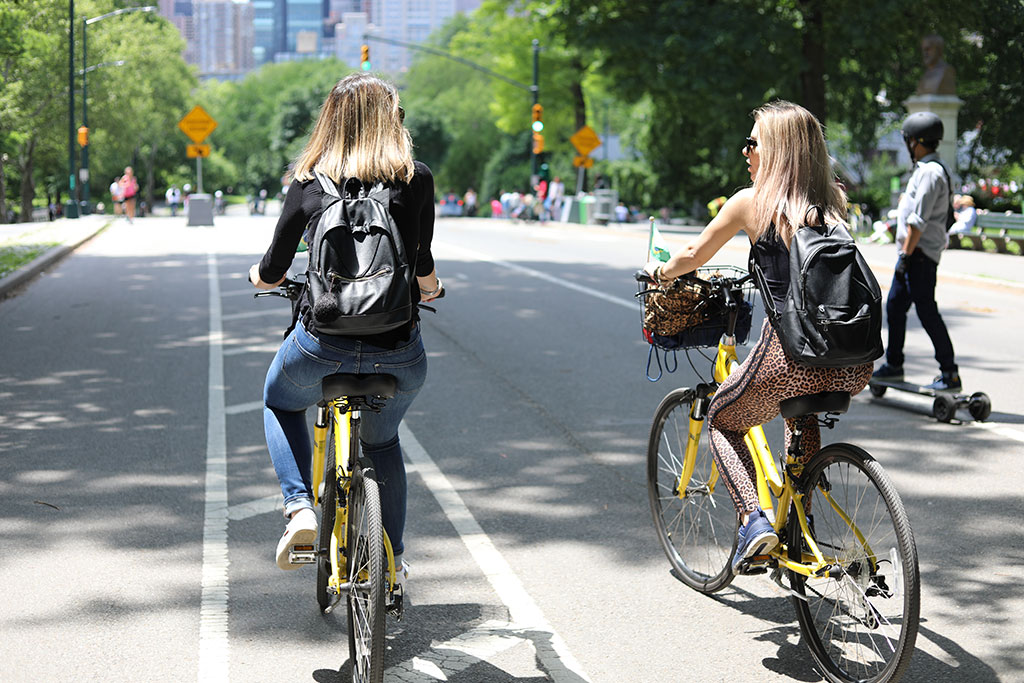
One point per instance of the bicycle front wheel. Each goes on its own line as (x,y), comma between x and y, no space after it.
(695,519)
(860,622)
(365,556)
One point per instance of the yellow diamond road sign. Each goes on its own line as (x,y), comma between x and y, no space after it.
(197,124)
(585,140)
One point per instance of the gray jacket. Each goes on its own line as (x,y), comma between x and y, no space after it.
(925,206)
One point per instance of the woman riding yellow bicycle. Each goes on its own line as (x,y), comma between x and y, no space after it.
(359,137)
(791,172)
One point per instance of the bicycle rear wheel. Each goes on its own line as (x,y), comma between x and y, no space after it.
(365,555)
(328,511)
(860,623)
(698,529)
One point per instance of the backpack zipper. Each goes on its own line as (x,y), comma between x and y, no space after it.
(383,271)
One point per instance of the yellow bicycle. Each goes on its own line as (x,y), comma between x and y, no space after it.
(353,553)
(846,548)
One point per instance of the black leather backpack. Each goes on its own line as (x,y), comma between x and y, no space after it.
(832,314)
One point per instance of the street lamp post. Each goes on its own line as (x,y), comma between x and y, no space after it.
(86,208)
(71,207)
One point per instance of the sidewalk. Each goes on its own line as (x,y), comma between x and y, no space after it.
(54,239)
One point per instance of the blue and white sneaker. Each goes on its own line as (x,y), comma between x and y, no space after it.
(756,537)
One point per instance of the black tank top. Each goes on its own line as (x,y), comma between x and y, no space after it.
(773,257)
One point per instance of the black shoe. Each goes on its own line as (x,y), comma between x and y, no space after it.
(947,381)
(888,373)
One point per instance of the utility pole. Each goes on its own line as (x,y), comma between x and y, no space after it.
(71,206)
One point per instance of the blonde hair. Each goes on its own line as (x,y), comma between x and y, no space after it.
(795,171)
(359,134)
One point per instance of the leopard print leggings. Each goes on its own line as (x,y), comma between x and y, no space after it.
(750,396)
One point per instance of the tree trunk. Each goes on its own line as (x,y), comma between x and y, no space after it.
(812,77)
(150,177)
(28,183)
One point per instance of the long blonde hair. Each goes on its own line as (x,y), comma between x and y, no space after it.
(795,171)
(359,134)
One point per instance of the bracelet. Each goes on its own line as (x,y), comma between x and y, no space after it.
(433,293)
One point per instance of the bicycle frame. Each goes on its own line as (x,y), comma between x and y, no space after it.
(346,443)
(771,485)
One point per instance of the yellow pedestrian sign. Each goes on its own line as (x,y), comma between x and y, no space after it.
(585,140)
(197,125)
(584,161)
(193,151)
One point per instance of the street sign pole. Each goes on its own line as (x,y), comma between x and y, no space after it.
(199,174)
(536,99)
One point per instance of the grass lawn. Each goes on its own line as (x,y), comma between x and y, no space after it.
(14,256)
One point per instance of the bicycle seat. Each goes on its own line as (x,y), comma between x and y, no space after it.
(822,402)
(351,384)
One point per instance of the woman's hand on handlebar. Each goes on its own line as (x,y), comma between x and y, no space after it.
(254,278)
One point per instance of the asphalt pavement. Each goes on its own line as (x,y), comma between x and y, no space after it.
(139,511)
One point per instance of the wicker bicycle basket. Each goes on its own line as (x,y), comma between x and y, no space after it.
(689,314)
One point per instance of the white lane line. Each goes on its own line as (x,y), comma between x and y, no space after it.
(451,657)
(213,609)
(252,348)
(243,407)
(260,506)
(253,314)
(1002,430)
(552,651)
(479,256)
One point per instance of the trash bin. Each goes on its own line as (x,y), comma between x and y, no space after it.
(200,209)
(604,206)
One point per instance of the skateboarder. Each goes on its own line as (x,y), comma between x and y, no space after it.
(920,240)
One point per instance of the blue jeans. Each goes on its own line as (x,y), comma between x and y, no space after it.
(293,385)
(917,288)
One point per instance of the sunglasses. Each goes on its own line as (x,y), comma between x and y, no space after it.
(749,144)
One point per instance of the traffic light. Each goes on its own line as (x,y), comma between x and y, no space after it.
(364,57)
(538,143)
(83,136)
(538,124)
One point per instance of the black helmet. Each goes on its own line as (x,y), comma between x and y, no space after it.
(925,127)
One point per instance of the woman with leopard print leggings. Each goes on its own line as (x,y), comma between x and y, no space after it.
(750,396)
(790,170)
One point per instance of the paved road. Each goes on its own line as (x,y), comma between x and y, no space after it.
(138,506)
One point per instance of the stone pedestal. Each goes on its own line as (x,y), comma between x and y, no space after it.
(946,107)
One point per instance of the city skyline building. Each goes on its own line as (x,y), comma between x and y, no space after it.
(224,38)
(227,38)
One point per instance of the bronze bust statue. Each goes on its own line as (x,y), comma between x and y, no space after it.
(939,77)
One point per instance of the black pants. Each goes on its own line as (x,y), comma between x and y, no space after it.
(918,288)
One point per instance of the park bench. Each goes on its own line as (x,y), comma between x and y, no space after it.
(1000,232)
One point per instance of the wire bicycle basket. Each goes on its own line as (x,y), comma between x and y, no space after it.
(693,312)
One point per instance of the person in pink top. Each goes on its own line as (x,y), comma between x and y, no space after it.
(129,189)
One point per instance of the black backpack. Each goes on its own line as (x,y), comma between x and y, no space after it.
(832,315)
(359,281)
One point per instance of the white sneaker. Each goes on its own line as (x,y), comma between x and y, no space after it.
(301,531)
(397,597)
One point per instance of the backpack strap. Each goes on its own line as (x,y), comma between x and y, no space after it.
(327,185)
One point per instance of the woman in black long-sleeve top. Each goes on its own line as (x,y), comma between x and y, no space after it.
(358,135)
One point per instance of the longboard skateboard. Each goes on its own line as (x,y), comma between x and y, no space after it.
(945,403)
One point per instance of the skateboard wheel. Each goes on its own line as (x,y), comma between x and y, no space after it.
(979,406)
(943,408)
(876,390)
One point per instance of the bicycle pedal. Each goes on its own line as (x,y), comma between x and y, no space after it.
(302,554)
